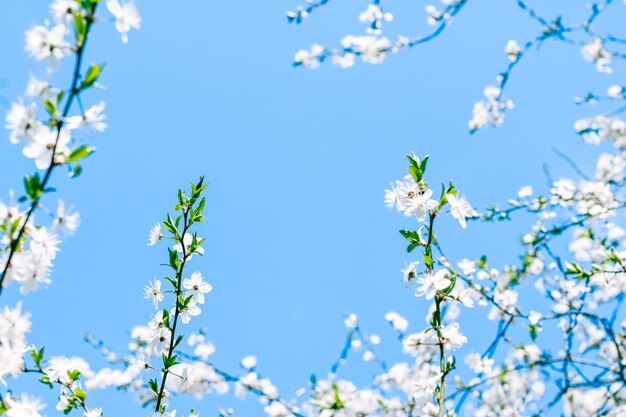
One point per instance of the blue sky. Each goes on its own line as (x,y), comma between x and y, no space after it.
(297,162)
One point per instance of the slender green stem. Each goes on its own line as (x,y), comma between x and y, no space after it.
(442,359)
(179,281)
(437,322)
(428,252)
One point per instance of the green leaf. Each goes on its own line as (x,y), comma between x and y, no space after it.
(73,374)
(15,225)
(171,281)
(80,28)
(169,225)
(37,356)
(417,168)
(578,271)
(428,257)
(338,403)
(435,318)
(452,189)
(423,164)
(409,235)
(153,386)
(482,262)
(194,243)
(173,258)
(79,153)
(33,187)
(450,287)
(443,200)
(414,161)
(169,362)
(187,300)
(76,170)
(415,173)
(178,340)
(180,301)
(51,108)
(200,207)
(451,364)
(197,190)
(92,75)
(412,246)
(46,381)
(80,394)
(200,187)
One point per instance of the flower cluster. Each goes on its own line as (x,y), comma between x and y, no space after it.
(595,53)
(489,111)
(413,197)
(64,372)
(30,266)
(14,324)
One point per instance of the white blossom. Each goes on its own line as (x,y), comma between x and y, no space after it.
(616,92)
(155,234)
(460,209)
(153,291)
(126,17)
(248,362)
(196,287)
(47,143)
(92,119)
(351,321)
(432,282)
(66,221)
(512,50)
(594,52)
(25,406)
(63,11)
(397,321)
(188,241)
(309,59)
(43,43)
(21,121)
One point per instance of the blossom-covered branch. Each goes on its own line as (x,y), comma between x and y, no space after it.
(52,140)
(596,46)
